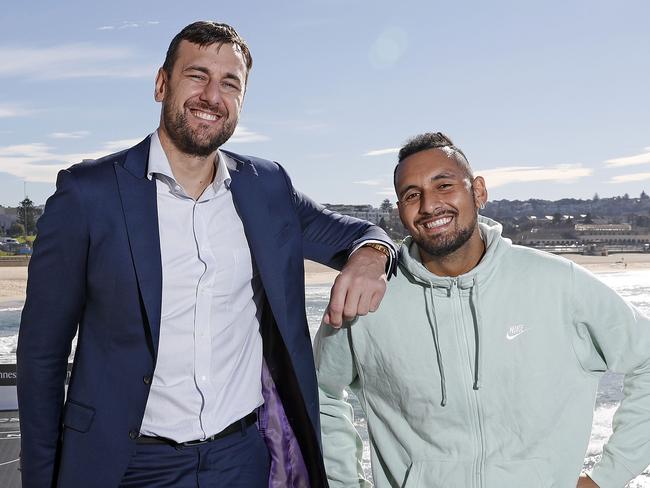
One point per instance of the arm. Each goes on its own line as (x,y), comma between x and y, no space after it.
(55,300)
(330,238)
(620,340)
(342,446)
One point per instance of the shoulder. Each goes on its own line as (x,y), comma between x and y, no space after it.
(256,164)
(528,256)
(96,168)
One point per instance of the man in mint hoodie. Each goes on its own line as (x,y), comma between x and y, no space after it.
(481,367)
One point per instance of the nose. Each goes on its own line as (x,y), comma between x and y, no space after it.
(211,93)
(429,203)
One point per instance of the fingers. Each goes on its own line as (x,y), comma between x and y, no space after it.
(334,312)
(353,296)
(376,300)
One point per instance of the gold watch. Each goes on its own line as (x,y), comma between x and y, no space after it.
(378,247)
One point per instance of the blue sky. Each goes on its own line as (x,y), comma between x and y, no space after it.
(547,99)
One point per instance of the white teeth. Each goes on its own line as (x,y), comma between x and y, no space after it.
(204,116)
(438,223)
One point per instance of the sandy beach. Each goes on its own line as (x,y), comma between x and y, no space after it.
(317,274)
(14,279)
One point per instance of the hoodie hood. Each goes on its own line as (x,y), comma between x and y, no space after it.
(411,264)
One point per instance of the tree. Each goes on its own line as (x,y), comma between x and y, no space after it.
(382,224)
(16,230)
(386,205)
(26,216)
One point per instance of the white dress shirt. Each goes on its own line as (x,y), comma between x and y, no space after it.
(209,365)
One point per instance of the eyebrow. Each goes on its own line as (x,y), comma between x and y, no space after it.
(203,69)
(440,176)
(444,175)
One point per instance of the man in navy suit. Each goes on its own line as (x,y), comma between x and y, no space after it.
(181,266)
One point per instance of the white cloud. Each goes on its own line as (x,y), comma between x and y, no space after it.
(79,134)
(39,162)
(370,182)
(72,61)
(11,110)
(129,24)
(243,134)
(119,145)
(630,177)
(381,152)
(559,173)
(6,112)
(643,158)
(387,191)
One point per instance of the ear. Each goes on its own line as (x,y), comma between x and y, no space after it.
(480,192)
(161,85)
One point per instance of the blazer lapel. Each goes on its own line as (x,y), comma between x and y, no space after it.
(251,201)
(139,204)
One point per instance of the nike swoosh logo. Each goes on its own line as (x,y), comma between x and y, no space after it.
(510,336)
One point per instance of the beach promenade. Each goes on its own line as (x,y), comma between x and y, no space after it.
(13,279)
(317,274)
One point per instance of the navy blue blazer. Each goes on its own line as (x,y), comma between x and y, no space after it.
(96,267)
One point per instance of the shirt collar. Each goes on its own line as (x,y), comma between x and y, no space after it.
(159,164)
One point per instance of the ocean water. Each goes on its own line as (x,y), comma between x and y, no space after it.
(633,285)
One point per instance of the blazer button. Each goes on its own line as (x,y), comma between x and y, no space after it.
(133,434)
(147,380)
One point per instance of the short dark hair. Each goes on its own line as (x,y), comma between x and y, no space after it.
(205,33)
(433,140)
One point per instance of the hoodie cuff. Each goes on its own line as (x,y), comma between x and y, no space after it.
(609,474)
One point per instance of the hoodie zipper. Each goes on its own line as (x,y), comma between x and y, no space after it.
(473,394)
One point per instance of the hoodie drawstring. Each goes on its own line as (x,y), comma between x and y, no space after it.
(477,322)
(476,315)
(431,315)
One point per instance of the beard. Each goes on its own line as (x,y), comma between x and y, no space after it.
(444,245)
(196,142)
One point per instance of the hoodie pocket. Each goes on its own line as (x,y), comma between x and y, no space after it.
(509,473)
(461,473)
(440,473)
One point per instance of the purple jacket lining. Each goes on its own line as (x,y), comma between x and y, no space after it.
(288,468)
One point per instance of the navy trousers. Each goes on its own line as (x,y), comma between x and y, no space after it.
(240,460)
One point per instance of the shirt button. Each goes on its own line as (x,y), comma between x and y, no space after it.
(147,380)
(133,434)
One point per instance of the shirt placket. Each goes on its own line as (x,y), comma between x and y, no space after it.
(203,312)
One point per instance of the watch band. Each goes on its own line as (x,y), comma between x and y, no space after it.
(378,247)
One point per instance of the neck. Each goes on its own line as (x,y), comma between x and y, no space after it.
(193,173)
(459,262)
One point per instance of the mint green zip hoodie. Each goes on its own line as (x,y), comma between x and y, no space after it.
(486,380)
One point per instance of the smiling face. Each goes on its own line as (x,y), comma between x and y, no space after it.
(202,96)
(438,203)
